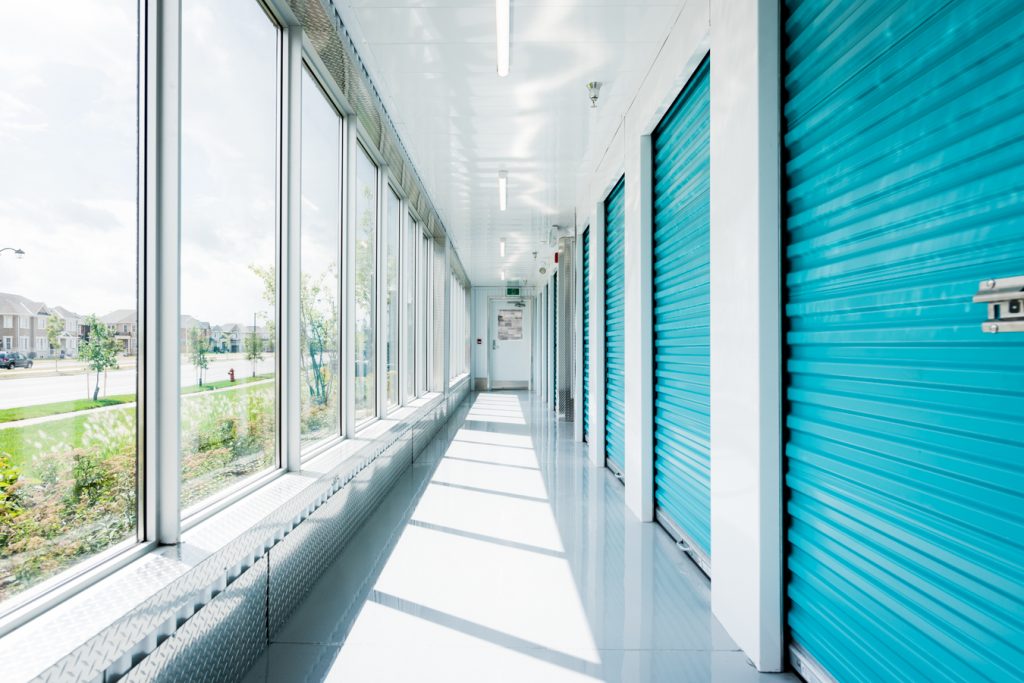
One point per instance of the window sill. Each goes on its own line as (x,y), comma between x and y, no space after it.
(126,613)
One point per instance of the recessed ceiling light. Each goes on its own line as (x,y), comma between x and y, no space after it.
(501,247)
(502,190)
(502,10)
(503,275)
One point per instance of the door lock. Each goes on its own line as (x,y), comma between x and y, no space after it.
(1005,299)
(494,344)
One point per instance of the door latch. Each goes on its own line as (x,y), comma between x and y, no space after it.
(1005,299)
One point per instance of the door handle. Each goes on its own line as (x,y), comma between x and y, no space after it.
(494,344)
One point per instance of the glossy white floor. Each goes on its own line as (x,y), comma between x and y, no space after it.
(503,555)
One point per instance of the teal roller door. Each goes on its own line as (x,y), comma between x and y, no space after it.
(586,334)
(554,342)
(614,327)
(682,314)
(904,141)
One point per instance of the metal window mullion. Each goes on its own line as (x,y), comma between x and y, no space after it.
(290,236)
(161,380)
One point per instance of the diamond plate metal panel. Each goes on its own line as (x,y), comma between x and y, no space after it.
(220,642)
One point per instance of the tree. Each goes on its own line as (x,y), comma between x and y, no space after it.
(253,349)
(198,347)
(318,325)
(54,328)
(99,350)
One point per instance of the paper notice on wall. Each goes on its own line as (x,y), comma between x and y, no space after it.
(510,324)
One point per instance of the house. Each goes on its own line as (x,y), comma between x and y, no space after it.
(185,325)
(23,325)
(72,333)
(124,325)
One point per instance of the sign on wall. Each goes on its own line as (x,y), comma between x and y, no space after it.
(510,324)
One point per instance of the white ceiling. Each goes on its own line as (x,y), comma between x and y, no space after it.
(434,63)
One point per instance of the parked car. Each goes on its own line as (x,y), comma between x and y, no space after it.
(13,359)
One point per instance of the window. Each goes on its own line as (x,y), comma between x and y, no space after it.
(68,185)
(319,293)
(365,286)
(392,303)
(410,242)
(229,104)
(423,316)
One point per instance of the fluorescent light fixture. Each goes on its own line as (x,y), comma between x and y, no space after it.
(501,247)
(502,10)
(502,190)
(503,275)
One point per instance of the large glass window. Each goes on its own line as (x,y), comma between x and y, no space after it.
(423,316)
(392,302)
(68,187)
(410,243)
(319,331)
(365,286)
(229,111)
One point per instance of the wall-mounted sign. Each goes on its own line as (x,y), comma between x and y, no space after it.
(510,324)
(511,291)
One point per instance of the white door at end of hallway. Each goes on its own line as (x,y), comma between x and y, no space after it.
(509,344)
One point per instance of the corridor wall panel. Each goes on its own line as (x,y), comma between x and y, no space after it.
(682,315)
(586,334)
(615,327)
(904,143)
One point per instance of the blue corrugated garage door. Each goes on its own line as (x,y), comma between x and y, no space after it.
(905,450)
(614,328)
(586,334)
(554,342)
(682,316)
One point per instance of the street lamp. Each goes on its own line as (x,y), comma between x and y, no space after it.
(18,252)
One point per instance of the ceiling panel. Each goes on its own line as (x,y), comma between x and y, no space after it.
(433,62)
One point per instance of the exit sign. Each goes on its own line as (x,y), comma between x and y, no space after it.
(511,291)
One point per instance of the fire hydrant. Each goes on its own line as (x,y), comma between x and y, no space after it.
(231,374)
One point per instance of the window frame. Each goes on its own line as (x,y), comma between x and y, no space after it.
(362,142)
(385,405)
(311,65)
(204,509)
(65,584)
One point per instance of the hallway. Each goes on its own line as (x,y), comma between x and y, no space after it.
(501,555)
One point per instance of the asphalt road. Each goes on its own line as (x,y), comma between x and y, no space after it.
(26,388)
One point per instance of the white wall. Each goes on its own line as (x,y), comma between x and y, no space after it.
(745,377)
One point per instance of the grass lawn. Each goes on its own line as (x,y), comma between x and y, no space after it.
(224,383)
(47,409)
(61,407)
(25,443)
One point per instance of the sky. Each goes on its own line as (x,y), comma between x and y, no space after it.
(68,145)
